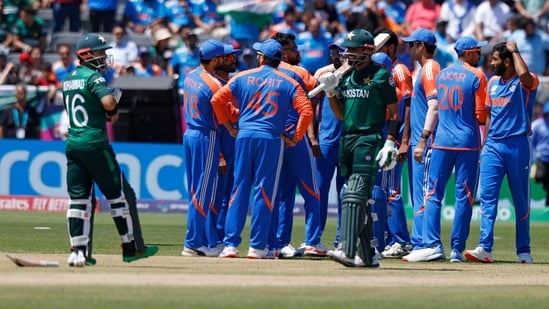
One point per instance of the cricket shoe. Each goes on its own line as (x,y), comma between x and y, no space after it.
(200,251)
(479,255)
(229,252)
(318,250)
(91,261)
(137,255)
(525,258)
(425,255)
(262,254)
(301,250)
(287,251)
(395,251)
(216,251)
(77,258)
(456,257)
(340,257)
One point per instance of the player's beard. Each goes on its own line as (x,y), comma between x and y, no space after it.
(229,68)
(499,69)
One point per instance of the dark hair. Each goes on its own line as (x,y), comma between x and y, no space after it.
(430,48)
(29,10)
(290,10)
(271,62)
(504,52)
(362,20)
(284,38)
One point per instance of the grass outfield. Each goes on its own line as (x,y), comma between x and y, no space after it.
(171,281)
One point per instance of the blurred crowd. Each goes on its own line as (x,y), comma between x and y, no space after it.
(162,37)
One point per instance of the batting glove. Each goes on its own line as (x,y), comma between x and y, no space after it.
(387,156)
(330,81)
(116,94)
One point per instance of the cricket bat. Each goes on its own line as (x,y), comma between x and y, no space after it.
(22,262)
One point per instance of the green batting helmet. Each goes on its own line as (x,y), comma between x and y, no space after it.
(358,38)
(92,41)
(88,44)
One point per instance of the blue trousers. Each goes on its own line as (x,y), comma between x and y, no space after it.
(298,170)
(201,153)
(215,227)
(417,174)
(465,164)
(325,167)
(511,157)
(257,164)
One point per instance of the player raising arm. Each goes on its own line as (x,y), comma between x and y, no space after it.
(510,101)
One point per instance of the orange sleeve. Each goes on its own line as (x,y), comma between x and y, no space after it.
(309,80)
(535,84)
(428,79)
(221,102)
(488,102)
(403,80)
(480,98)
(305,110)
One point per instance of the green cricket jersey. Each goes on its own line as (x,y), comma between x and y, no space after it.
(365,96)
(82,93)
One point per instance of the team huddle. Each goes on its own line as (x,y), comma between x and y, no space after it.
(256,136)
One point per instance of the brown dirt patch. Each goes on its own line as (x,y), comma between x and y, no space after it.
(180,271)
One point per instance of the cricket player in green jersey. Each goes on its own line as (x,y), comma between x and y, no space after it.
(90,103)
(364,97)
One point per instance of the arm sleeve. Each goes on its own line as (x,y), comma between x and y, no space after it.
(220,104)
(480,99)
(431,118)
(305,110)
(98,86)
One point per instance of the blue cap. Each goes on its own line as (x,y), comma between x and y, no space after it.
(421,35)
(270,48)
(546,108)
(229,49)
(383,60)
(210,49)
(468,43)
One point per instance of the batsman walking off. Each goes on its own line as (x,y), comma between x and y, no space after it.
(90,158)
(361,98)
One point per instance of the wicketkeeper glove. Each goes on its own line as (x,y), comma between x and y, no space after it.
(116,94)
(330,81)
(387,156)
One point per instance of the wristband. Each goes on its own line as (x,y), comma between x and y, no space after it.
(515,51)
(394,126)
(113,112)
(424,136)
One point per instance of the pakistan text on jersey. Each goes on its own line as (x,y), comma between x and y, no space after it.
(258,81)
(356,93)
(75,84)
